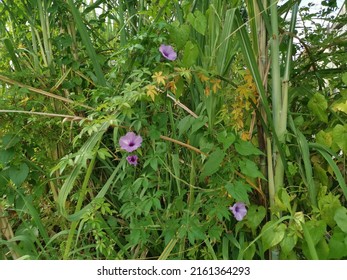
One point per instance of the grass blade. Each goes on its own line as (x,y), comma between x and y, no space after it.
(334,167)
(225,53)
(168,249)
(84,154)
(246,48)
(310,243)
(304,150)
(87,43)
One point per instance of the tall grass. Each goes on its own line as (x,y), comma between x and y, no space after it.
(76,75)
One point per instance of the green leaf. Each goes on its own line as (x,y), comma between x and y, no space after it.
(289,241)
(322,249)
(191,53)
(316,229)
(321,174)
(341,218)
(154,133)
(195,231)
(9,140)
(184,124)
(318,105)
(238,191)
(339,177)
(250,252)
(179,87)
(255,215)
(338,245)
(179,35)
(226,139)
(104,153)
(272,234)
(324,138)
(250,169)
(226,49)
(198,21)
(154,163)
(87,42)
(246,148)
(328,205)
(340,106)
(344,78)
(340,136)
(6,156)
(282,201)
(212,164)
(198,123)
(19,174)
(12,54)
(215,232)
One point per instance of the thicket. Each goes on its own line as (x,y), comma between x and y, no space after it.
(172,129)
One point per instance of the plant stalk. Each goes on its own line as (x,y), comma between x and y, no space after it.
(79,206)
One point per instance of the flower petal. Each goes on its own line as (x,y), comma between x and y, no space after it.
(132,159)
(168,52)
(130,142)
(239,210)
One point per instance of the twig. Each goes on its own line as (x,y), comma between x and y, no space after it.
(40,91)
(72,118)
(183,144)
(184,107)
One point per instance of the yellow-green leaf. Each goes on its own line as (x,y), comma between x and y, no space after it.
(340,136)
(318,106)
(272,234)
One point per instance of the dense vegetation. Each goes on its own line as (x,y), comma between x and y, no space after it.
(172,129)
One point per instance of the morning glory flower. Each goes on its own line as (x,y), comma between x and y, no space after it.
(130,142)
(168,52)
(132,159)
(239,210)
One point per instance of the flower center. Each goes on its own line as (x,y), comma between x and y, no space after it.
(131,144)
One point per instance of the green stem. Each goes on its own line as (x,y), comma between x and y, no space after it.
(192,181)
(310,244)
(275,69)
(79,206)
(122,37)
(45,32)
(270,173)
(278,99)
(276,112)
(285,82)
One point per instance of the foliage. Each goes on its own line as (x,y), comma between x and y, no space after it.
(252,110)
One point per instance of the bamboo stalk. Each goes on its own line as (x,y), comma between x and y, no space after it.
(275,71)
(263,67)
(285,82)
(276,113)
(42,7)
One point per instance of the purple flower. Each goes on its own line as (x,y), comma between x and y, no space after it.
(130,142)
(239,210)
(168,52)
(132,159)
